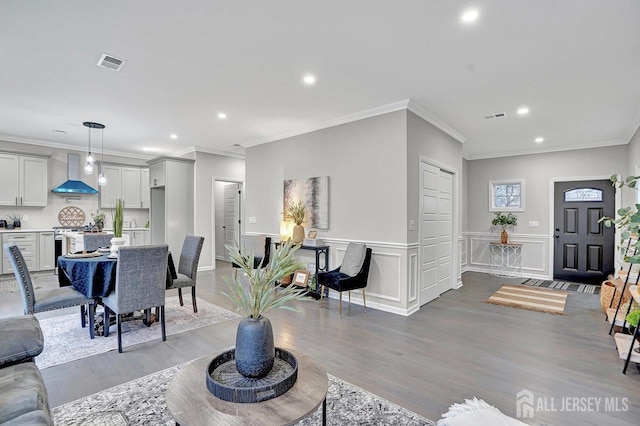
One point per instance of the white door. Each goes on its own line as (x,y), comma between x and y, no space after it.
(436,232)
(231,224)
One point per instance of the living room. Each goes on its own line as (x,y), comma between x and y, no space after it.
(369,130)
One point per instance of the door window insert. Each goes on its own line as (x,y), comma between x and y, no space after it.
(582,194)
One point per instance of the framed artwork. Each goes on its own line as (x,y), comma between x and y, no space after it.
(313,234)
(301,277)
(314,192)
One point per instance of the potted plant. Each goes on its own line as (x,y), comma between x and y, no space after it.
(118,219)
(255,351)
(628,222)
(98,218)
(296,213)
(633,318)
(504,221)
(15,219)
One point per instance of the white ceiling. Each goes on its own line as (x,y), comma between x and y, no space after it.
(574,63)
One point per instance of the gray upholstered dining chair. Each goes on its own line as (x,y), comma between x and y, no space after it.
(140,285)
(35,302)
(93,242)
(188,268)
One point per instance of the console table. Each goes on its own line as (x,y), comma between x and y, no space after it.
(190,402)
(322,252)
(506,259)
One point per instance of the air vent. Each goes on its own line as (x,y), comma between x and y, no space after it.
(111,62)
(496,115)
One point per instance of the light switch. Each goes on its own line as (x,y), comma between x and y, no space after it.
(412,225)
(533,224)
(252,219)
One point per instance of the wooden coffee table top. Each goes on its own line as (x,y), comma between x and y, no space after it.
(191,403)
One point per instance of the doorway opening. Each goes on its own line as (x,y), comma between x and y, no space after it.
(583,249)
(227,212)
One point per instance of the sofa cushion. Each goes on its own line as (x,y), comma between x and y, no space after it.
(21,392)
(353,259)
(21,339)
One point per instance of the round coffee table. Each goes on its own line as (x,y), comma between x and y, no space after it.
(190,402)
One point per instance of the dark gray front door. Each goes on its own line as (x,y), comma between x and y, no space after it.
(583,248)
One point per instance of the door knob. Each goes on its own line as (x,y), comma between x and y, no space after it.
(557,236)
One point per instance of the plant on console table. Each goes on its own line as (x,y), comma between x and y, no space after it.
(504,221)
(118,220)
(255,351)
(296,213)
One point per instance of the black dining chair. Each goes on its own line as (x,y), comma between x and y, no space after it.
(47,300)
(140,285)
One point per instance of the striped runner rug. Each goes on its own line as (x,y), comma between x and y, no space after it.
(563,285)
(532,299)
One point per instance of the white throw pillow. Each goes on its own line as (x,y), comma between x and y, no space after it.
(353,259)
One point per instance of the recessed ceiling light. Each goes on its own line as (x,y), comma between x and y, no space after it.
(173,136)
(309,80)
(469,16)
(523,110)
(222,116)
(539,139)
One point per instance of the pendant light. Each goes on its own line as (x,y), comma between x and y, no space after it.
(102,178)
(88,165)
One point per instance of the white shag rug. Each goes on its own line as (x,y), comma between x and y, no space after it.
(65,340)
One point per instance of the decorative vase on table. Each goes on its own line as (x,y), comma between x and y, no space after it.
(504,237)
(99,225)
(116,243)
(298,234)
(255,352)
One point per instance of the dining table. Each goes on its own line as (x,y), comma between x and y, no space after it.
(92,274)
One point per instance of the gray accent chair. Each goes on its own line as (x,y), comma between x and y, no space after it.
(140,285)
(188,268)
(41,301)
(93,242)
(23,396)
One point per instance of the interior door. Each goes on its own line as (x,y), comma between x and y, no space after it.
(231,225)
(583,248)
(436,232)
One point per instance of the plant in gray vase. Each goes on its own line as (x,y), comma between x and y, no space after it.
(255,351)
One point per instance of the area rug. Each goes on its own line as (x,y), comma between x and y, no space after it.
(65,340)
(9,286)
(563,285)
(532,299)
(142,402)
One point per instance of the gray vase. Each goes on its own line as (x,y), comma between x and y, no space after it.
(255,352)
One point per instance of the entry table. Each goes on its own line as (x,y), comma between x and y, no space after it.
(190,402)
(506,259)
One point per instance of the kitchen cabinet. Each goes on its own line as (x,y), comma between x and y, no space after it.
(157,174)
(46,251)
(137,237)
(24,180)
(145,191)
(28,244)
(127,183)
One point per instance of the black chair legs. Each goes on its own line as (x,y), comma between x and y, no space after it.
(92,321)
(119,322)
(193,297)
(106,320)
(83,320)
(164,330)
(180,296)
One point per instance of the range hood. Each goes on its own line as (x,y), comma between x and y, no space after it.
(74,185)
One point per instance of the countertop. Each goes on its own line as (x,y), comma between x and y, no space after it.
(22,230)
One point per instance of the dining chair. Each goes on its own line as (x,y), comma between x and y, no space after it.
(140,285)
(47,300)
(188,268)
(93,242)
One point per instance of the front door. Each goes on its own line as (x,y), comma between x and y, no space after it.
(583,248)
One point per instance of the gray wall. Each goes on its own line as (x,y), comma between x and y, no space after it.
(207,168)
(424,139)
(537,170)
(46,217)
(630,197)
(367,168)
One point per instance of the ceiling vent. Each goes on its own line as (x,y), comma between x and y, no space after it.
(496,115)
(111,62)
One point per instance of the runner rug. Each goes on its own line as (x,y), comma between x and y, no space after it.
(65,340)
(563,285)
(532,299)
(142,402)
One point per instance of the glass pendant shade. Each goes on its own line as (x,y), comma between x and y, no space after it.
(88,165)
(102,179)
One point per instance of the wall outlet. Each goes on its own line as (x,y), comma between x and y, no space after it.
(252,219)
(412,225)
(533,224)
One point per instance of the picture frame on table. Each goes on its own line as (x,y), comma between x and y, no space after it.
(301,277)
(313,234)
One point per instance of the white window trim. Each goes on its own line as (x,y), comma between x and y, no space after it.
(493,183)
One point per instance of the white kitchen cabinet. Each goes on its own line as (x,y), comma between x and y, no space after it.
(137,237)
(24,180)
(157,173)
(46,251)
(145,190)
(28,244)
(126,183)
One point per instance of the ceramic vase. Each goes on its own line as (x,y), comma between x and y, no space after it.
(255,352)
(504,237)
(116,243)
(298,234)
(99,225)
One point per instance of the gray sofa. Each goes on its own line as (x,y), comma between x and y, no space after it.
(23,396)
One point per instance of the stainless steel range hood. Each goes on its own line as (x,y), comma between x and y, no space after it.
(74,185)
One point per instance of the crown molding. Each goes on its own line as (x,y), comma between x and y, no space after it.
(421,112)
(633,128)
(373,112)
(533,151)
(196,149)
(67,147)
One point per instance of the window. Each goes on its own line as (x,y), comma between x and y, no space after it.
(506,195)
(582,194)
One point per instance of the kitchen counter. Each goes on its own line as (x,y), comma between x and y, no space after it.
(5,230)
(74,240)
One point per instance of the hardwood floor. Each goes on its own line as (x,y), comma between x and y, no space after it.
(455,347)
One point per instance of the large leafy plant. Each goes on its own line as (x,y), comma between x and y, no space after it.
(262,294)
(627,221)
(504,220)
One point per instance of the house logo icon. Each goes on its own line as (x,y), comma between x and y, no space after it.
(524,404)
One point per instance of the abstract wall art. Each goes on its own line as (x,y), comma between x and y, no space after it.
(315,194)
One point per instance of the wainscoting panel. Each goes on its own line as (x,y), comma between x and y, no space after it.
(535,253)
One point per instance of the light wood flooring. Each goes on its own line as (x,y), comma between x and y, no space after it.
(455,347)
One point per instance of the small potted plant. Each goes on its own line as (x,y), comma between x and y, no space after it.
(296,213)
(98,217)
(15,219)
(118,221)
(504,221)
(633,318)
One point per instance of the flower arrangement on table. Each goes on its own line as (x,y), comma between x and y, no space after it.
(98,218)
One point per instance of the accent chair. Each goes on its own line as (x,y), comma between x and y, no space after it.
(188,268)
